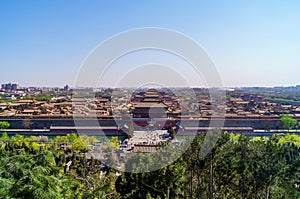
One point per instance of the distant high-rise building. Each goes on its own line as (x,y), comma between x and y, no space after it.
(15,87)
(67,88)
(10,87)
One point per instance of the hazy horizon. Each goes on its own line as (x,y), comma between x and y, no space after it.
(73,86)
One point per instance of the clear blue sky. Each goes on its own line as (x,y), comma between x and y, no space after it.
(43,43)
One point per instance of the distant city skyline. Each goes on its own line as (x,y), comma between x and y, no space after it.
(145,87)
(43,43)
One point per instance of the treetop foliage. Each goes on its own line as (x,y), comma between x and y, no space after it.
(237,167)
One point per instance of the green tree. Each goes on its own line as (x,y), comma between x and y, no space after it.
(29,173)
(72,137)
(288,121)
(167,182)
(4,125)
(79,145)
(4,137)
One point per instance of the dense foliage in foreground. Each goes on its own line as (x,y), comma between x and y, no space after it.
(31,168)
(237,167)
